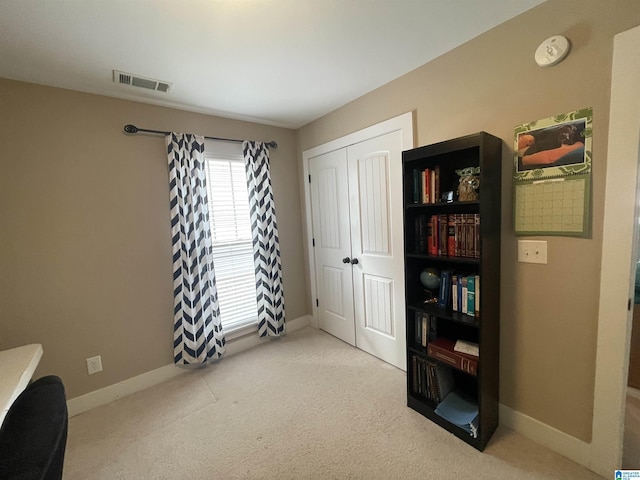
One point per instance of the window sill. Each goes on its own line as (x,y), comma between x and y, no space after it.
(241,331)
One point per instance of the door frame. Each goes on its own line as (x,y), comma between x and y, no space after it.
(403,123)
(618,247)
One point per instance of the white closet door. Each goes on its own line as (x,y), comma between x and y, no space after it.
(331,233)
(375,199)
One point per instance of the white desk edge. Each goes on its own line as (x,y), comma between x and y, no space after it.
(16,369)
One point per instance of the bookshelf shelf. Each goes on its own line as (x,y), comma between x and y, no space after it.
(441,383)
(443,205)
(450,315)
(441,259)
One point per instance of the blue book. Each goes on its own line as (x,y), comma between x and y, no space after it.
(444,294)
(460,411)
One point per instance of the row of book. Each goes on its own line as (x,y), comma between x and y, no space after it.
(431,380)
(460,292)
(426,185)
(453,235)
(425,328)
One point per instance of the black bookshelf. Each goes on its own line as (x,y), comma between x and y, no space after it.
(483,263)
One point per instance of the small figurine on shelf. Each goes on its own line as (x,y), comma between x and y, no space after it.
(468,184)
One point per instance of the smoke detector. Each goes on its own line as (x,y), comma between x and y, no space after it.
(552,51)
(133,80)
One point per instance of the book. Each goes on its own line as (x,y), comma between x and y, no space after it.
(469,235)
(433,238)
(443,380)
(444,294)
(451,235)
(414,374)
(443,349)
(443,238)
(477,295)
(476,235)
(434,184)
(454,292)
(465,295)
(427,186)
(459,410)
(417,190)
(469,348)
(420,229)
(425,329)
(439,381)
(471,295)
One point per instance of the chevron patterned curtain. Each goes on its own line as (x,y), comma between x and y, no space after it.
(197,331)
(266,246)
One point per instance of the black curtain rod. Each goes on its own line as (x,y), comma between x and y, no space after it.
(133,129)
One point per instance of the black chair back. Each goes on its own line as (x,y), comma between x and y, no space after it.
(33,436)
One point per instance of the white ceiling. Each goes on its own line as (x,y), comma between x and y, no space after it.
(278,62)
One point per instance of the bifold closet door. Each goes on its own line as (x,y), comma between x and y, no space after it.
(356,204)
(375,205)
(332,250)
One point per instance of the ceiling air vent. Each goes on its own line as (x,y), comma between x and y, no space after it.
(133,80)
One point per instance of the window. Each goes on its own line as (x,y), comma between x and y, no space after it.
(231,235)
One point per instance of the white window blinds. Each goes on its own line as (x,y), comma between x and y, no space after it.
(231,234)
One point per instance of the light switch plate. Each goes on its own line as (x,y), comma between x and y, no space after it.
(532,251)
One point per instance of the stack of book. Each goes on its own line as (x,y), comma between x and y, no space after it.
(444,350)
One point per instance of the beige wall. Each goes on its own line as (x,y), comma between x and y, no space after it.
(548,313)
(85,248)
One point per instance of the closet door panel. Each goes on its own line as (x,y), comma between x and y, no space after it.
(375,203)
(331,233)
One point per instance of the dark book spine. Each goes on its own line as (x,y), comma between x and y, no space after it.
(451,236)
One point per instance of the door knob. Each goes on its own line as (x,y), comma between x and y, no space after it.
(346,260)
(354,261)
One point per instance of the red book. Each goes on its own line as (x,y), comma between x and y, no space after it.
(427,186)
(433,240)
(442,349)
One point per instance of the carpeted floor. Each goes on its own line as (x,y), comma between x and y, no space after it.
(307,406)
(631,453)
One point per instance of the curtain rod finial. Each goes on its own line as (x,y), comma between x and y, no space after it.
(272,144)
(130,128)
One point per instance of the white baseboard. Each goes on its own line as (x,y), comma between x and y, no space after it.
(106,395)
(633,392)
(559,442)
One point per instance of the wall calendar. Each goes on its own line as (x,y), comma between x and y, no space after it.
(552,175)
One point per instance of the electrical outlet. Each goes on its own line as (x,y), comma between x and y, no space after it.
(532,251)
(94,365)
